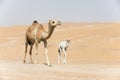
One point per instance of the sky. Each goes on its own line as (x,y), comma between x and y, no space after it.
(23,12)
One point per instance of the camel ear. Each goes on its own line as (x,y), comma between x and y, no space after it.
(68,40)
(49,20)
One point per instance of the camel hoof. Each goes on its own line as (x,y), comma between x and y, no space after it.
(49,65)
(24,61)
(31,62)
(64,63)
(36,62)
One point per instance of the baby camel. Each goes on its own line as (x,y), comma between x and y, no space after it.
(63,48)
(36,33)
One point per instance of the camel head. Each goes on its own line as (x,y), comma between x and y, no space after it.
(54,23)
(68,40)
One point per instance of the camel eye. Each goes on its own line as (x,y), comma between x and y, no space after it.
(53,22)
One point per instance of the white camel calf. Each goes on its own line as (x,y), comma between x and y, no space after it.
(63,48)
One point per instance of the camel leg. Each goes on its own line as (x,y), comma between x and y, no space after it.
(46,53)
(65,56)
(31,46)
(60,56)
(36,44)
(26,45)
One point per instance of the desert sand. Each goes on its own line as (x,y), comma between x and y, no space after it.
(93,54)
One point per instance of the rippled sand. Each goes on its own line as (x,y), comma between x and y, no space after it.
(93,54)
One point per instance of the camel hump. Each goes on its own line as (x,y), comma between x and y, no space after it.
(35,21)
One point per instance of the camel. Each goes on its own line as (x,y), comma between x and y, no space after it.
(35,34)
(63,45)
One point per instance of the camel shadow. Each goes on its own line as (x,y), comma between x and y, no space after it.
(47,65)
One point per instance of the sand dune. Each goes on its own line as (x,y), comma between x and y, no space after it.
(93,54)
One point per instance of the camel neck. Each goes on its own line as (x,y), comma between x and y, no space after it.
(49,32)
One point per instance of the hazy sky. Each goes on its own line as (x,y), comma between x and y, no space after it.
(23,12)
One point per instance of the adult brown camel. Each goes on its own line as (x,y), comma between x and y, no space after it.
(36,33)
